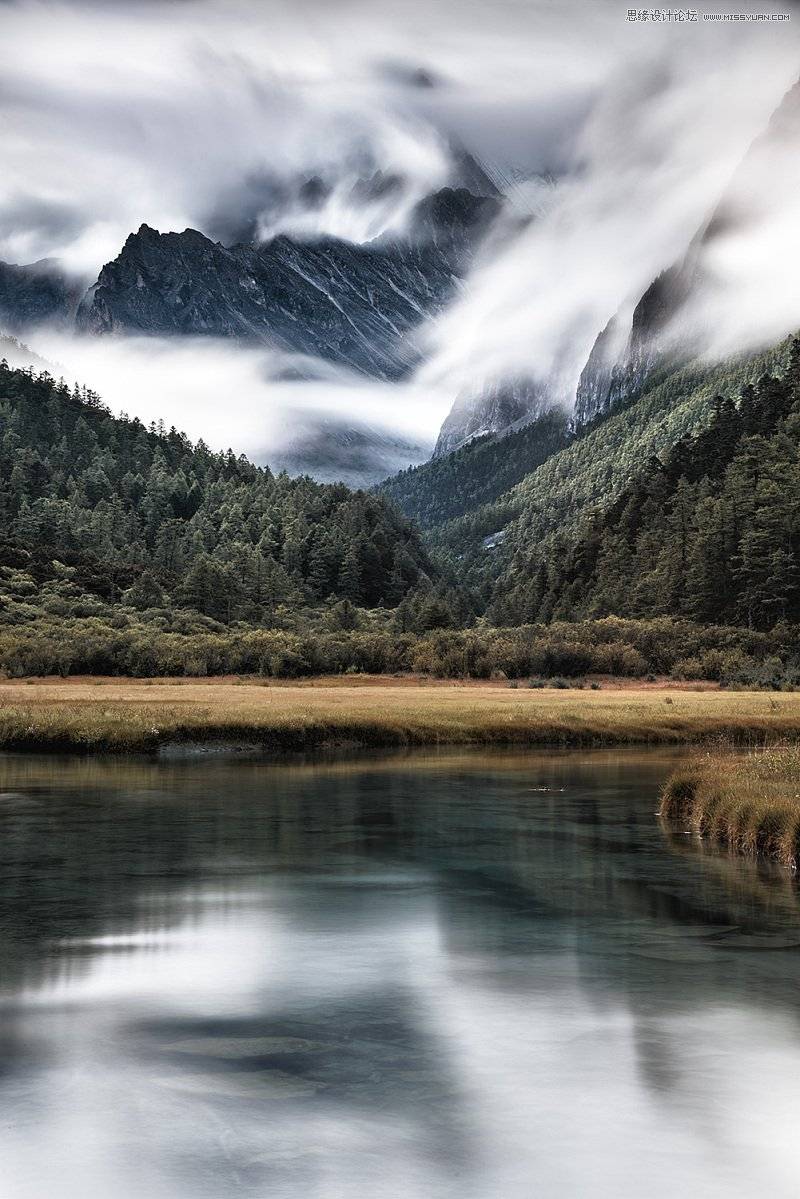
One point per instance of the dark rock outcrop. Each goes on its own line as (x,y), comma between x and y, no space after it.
(501,407)
(37,294)
(355,305)
(612,377)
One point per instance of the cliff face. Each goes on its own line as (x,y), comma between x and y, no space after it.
(355,305)
(38,294)
(667,324)
(499,408)
(618,367)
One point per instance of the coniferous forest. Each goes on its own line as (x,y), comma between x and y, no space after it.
(709,531)
(129,550)
(142,514)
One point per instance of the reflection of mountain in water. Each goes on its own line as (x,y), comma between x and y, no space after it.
(334,950)
(562,837)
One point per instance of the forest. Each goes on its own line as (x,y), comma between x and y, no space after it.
(478,473)
(128,550)
(709,530)
(93,503)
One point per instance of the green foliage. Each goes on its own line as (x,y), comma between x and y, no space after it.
(122,641)
(143,517)
(709,531)
(476,474)
(592,470)
(662,541)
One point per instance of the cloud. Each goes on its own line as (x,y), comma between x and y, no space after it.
(674,120)
(178,114)
(620,138)
(747,296)
(256,401)
(32,224)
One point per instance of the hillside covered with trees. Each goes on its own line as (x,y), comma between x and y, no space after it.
(445,488)
(121,512)
(587,475)
(709,530)
(662,540)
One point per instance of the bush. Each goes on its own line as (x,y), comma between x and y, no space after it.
(92,639)
(687,668)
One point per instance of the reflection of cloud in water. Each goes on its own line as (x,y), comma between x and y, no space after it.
(414,977)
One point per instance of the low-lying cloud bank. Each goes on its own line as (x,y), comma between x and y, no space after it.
(280,409)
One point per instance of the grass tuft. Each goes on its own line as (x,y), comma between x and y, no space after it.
(746,802)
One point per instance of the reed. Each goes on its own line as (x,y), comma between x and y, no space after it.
(748,802)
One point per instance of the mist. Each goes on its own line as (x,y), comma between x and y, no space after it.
(614,140)
(653,160)
(250,399)
(196,113)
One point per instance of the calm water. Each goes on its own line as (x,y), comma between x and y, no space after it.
(471,976)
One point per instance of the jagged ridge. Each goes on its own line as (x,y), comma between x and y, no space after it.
(350,304)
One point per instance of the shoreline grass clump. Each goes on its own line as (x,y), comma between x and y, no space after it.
(748,802)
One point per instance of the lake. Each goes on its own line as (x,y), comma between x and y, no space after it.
(436,975)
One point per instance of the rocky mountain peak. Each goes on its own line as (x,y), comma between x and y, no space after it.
(350,304)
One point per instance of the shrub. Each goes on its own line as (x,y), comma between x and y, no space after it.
(687,668)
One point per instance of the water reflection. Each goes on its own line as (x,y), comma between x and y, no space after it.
(433,975)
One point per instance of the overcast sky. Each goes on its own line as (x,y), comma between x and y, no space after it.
(116,113)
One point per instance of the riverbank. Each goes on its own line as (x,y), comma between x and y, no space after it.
(116,715)
(749,803)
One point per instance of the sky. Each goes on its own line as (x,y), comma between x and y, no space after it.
(618,136)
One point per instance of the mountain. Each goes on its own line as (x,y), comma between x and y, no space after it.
(499,544)
(668,326)
(669,322)
(355,305)
(709,530)
(37,294)
(477,473)
(344,304)
(496,409)
(358,195)
(619,366)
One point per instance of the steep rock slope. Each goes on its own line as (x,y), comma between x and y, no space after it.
(350,304)
(497,409)
(37,294)
(667,328)
(614,372)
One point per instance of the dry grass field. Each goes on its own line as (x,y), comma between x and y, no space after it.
(749,803)
(122,715)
